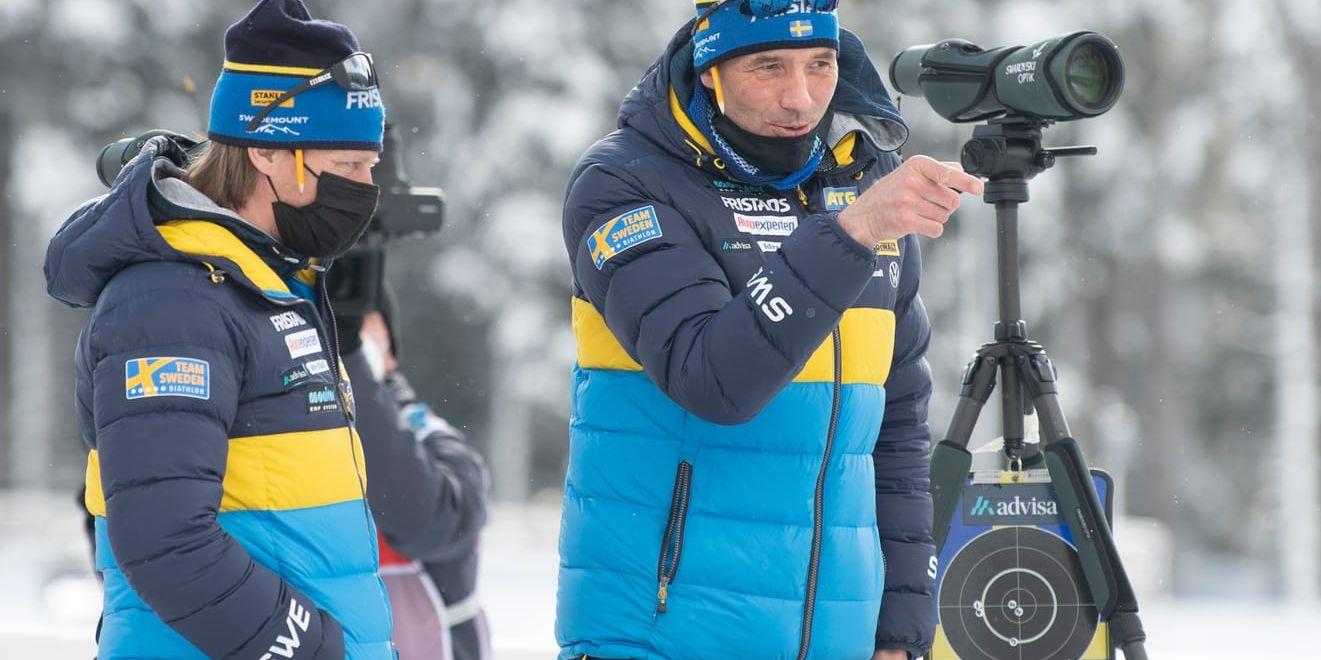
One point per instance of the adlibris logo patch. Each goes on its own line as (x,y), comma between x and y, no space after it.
(149,377)
(624,231)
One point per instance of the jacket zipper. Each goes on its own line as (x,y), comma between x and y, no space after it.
(327,330)
(818,510)
(672,542)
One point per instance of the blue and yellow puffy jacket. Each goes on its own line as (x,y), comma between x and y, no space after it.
(748,449)
(225,476)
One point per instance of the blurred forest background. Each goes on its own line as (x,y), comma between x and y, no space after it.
(1171,278)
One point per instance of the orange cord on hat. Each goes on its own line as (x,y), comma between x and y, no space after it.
(298,168)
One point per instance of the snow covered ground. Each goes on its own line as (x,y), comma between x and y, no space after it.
(49,603)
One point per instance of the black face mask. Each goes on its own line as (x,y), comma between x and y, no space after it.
(777,155)
(333,222)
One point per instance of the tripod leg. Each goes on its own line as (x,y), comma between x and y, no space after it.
(1081,506)
(951,460)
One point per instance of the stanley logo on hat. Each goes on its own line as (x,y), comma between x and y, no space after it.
(275,48)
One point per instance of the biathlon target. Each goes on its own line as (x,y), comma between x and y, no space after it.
(1016,593)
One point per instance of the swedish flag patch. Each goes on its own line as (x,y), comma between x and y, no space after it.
(622,232)
(167,376)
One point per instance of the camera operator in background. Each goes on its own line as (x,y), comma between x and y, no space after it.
(427,490)
(426,486)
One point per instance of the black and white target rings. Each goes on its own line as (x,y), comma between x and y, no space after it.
(1016,593)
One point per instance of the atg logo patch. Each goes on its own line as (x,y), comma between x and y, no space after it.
(623,232)
(167,376)
(837,199)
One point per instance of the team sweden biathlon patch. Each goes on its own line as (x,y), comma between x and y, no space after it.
(167,376)
(623,232)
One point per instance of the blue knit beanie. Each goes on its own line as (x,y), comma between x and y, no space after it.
(739,27)
(272,49)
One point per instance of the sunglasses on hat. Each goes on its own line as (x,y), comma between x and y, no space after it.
(354,73)
(764,8)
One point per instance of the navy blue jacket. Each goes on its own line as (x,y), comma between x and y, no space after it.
(224,473)
(748,450)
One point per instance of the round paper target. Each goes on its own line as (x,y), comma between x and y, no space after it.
(1016,593)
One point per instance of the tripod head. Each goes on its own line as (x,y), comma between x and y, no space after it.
(1007,150)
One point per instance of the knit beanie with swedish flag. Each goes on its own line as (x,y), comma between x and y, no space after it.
(272,49)
(739,27)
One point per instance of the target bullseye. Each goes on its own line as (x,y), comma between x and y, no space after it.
(1016,593)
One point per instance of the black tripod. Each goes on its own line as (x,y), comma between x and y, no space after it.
(1008,152)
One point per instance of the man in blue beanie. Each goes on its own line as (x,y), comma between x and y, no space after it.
(748,451)
(225,475)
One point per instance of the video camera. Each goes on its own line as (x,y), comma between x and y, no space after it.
(357,282)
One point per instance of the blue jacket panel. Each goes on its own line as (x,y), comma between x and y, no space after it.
(224,473)
(742,361)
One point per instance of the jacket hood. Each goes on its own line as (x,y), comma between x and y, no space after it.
(861,102)
(137,221)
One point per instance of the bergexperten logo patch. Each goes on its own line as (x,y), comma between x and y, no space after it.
(766,225)
(305,342)
(145,378)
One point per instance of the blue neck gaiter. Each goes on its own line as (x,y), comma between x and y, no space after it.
(702,112)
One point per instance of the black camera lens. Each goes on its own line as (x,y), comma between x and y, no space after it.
(112,160)
(1088,74)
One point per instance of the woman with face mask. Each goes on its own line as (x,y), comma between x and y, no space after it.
(225,474)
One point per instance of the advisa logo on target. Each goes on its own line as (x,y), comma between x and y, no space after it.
(1028,505)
